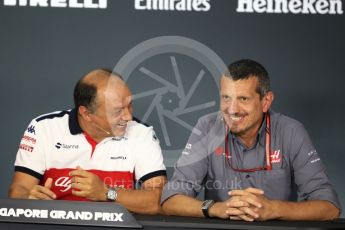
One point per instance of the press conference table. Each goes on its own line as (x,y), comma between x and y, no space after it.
(172,222)
(18,215)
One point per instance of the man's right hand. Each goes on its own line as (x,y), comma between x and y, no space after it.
(39,192)
(237,207)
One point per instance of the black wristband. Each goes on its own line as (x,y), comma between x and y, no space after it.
(205,207)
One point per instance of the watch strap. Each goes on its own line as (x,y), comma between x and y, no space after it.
(205,207)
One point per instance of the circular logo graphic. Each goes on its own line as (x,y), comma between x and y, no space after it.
(174,81)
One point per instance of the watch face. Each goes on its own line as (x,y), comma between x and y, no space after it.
(206,204)
(112,194)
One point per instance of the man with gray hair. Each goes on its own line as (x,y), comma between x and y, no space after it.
(248,158)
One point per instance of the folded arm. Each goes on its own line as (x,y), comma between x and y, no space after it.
(313,210)
(183,205)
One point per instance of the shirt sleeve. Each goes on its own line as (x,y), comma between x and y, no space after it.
(191,167)
(149,158)
(309,172)
(30,157)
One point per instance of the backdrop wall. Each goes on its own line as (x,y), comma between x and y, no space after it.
(171,55)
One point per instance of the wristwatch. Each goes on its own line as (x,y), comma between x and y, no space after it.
(111,193)
(205,206)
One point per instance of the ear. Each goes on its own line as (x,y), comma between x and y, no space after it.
(84,113)
(267,101)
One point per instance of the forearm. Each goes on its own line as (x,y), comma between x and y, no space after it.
(181,205)
(309,210)
(18,192)
(140,201)
(21,185)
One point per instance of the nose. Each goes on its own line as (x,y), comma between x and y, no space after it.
(127,113)
(232,107)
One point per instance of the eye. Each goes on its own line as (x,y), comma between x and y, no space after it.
(225,98)
(244,99)
(117,112)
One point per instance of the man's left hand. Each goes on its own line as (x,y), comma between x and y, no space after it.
(88,185)
(267,209)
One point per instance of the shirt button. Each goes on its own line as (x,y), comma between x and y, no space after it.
(247,176)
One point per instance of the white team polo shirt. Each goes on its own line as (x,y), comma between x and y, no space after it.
(54,144)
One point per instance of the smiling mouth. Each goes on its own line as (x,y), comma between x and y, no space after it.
(236,118)
(120,126)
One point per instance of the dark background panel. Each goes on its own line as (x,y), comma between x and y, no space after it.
(44,51)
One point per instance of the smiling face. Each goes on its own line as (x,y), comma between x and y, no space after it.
(242,107)
(114,107)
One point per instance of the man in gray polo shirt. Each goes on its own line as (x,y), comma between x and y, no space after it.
(248,158)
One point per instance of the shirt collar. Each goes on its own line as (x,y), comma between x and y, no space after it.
(73,123)
(262,129)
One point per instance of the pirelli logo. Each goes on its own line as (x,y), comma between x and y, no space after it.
(91,4)
(332,7)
